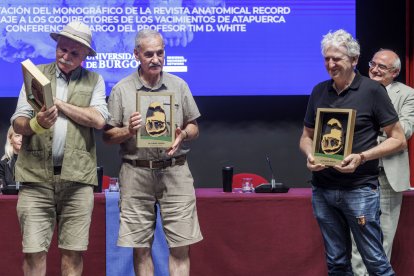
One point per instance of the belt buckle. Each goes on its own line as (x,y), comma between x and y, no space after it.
(173,162)
(150,164)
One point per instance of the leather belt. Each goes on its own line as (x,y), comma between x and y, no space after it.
(157,164)
(57,170)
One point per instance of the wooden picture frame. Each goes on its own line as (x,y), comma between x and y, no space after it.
(157,112)
(333,136)
(37,86)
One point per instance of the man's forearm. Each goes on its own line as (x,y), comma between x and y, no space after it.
(85,116)
(116,135)
(306,146)
(389,146)
(21,125)
(191,130)
(306,141)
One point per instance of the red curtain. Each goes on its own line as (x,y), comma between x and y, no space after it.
(409,58)
(409,65)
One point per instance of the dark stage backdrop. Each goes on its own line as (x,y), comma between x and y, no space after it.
(242,131)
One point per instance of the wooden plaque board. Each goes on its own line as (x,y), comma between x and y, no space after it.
(157,112)
(37,85)
(333,137)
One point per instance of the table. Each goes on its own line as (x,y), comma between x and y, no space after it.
(11,256)
(274,234)
(244,234)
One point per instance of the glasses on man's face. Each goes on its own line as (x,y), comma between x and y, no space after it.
(381,67)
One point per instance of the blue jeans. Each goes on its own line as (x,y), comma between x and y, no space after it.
(337,212)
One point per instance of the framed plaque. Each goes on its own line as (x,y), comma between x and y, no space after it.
(157,112)
(37,85)
(334,132)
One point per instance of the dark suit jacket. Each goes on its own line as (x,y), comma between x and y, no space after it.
(6,171)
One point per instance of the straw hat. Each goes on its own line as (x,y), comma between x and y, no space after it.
(78,32)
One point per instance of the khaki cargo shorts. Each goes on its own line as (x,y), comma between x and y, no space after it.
(40,205)
(172,187)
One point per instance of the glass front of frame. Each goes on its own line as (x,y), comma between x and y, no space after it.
(157,114)
(333,136)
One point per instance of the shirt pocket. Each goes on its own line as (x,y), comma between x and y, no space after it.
(81,98)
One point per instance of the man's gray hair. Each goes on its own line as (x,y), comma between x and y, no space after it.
(145,33)
(341,38)
(397,63)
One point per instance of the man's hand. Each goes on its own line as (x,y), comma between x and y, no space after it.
(135,122)
(47,118)
(349,164)
(310,163)
(180,135)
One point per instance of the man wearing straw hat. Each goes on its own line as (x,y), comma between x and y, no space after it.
(57,161)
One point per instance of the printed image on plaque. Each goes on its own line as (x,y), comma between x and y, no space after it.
(334,131)
(157,114)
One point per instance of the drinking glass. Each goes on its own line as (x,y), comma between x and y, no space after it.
(113,184)
(247,185)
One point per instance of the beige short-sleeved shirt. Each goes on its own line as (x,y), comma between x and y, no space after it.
(122,103)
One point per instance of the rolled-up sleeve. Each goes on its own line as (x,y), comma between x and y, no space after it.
(98,100)
(23,109)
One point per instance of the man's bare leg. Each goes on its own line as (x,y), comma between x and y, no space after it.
(72,263)
(143,265)
(179,261)
(34,264)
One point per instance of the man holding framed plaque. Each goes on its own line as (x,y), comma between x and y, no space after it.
(345,197)
(57,160)
(160,107)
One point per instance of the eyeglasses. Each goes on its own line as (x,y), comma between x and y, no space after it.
(381,67)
